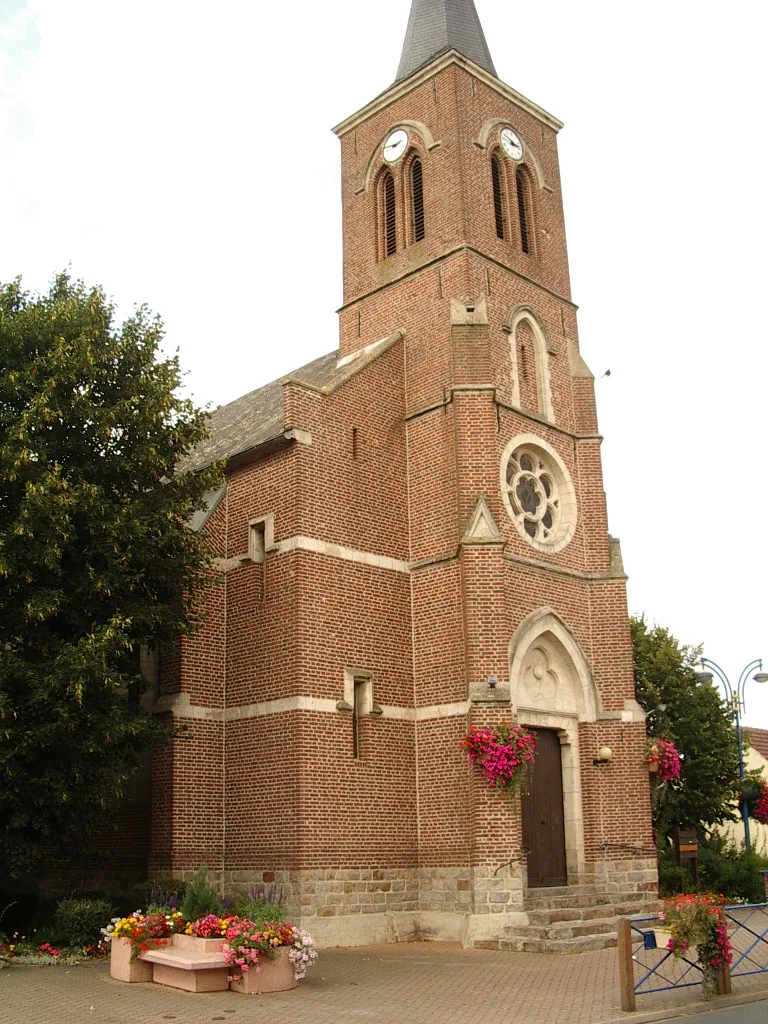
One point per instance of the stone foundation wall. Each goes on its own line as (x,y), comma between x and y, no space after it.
(355,906)
(636,874)
(338,892)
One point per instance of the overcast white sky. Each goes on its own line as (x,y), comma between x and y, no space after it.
(180,153)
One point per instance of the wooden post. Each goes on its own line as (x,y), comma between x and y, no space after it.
(626,967)
(723,974)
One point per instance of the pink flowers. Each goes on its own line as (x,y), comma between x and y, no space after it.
(502,753)
(664,759)
(209,927)
(247,943)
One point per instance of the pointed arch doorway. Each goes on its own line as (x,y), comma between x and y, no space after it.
(551,691)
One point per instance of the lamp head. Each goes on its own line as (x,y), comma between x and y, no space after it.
(604,756)
(702,674)
(760,677)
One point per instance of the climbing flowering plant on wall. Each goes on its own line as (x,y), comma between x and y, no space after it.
(662,757)
(503,754)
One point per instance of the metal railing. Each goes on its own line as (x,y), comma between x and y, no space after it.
(647,966)
(748,932)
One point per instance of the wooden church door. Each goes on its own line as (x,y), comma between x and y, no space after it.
(543,815)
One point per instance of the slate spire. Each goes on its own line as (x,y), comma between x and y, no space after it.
(435,26)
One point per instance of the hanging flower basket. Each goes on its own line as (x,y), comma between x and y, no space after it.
(663,760)
(754,793)
(503,754)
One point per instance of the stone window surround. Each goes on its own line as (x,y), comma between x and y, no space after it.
(261,537)
(517,316)
(367,705)
(563,482)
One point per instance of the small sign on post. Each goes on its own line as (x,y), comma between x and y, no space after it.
(687,851)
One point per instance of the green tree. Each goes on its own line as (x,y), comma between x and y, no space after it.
(96,559)
(696,718)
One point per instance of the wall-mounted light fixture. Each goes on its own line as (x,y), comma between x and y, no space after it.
(604,756)
(492,681)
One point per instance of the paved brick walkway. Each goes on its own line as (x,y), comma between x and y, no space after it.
(417,983)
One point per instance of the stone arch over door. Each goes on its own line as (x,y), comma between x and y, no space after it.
(551,687)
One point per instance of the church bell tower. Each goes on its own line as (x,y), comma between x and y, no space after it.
(454,236)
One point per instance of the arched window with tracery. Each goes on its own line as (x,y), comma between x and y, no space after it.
(524,209)
(497,180)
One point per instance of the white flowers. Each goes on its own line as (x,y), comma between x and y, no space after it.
(302,953)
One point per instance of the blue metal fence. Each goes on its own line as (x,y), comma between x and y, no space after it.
(654,968)
(748,932)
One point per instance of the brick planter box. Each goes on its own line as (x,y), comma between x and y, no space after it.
(120,966)
(276,975)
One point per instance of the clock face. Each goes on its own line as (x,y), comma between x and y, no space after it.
(511,144)
(394,145)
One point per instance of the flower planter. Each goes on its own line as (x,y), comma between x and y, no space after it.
(662,937)
(120,966)
(276,975)
(193,943)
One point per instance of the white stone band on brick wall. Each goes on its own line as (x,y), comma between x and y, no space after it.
(181,706)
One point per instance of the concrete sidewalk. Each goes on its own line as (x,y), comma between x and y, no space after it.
(415,983)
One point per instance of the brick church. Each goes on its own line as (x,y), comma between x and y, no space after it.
(413,540)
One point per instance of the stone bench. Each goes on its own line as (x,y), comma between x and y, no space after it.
(191,964)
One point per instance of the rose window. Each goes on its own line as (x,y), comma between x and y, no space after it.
(533,495)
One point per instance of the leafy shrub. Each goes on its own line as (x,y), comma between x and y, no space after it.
(673,879)
(732,870)
(258,903)
(79,920)
(200,899)
(167,893)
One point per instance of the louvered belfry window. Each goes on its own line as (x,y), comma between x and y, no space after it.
(390,222)
(498,203)
(523,210)
(417,197)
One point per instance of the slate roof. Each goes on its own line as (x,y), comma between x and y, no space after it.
(259,416)
(256,417)
(435,26)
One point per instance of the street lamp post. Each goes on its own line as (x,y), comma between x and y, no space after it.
(735,699)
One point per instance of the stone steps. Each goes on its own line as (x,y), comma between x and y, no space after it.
(582,944)
(583,896)
(561,920)
(567,929)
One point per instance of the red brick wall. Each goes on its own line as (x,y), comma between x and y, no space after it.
(399,455)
